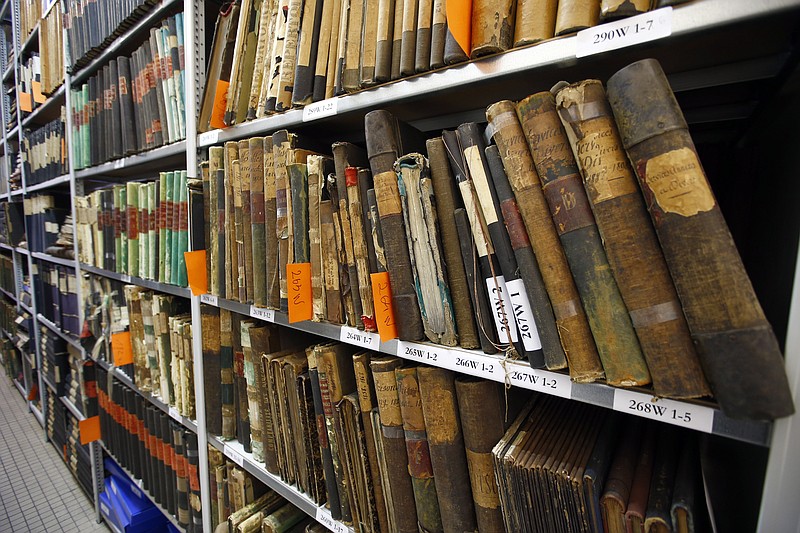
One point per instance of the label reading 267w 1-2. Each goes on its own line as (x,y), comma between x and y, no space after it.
(678,413)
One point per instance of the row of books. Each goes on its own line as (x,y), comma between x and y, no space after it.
(139,228)
(57,296)
(30,83)
(153,447)
(51,48)
(7,275)
(536,244)
(44,151)
(92,26)
(268,57)
(55,359)
(43,219)
(30,11)
(133,103)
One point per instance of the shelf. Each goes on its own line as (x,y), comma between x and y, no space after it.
(131,35)
(12,132)
(152,158)
(37,414)
(60,180)
(74,341)
(47,111)
(702,416)
(428,101)
(10,295)
(47,382)
(138,483)
(53,259)
(234,451)
(188,423)
(20,388)
(26,307)
(184,292)
(72,408)
(32,38)
(9,72)
(3,245)
(23,251)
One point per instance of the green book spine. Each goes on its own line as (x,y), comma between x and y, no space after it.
(162,226)
(117,220)
(168,182)
(176,217)
(183,229)
(144,234)
(152,229)
(85,137)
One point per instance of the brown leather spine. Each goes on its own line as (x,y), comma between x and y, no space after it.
(270,230)
(258,280)
(535,21)
(282,143)
(620,477)
(217,243)
(383,50)
(630,242)
(231,252)
(424,26)
(211,368)
(617,9)
(408,41)
(736,345)
(573,328)
(492,27)
(574,15)
(247,219)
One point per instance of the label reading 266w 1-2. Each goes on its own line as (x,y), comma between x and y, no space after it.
(678,413)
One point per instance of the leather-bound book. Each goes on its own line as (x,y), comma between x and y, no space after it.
(132,212)
(231,248)
(419,456)
(518,324)
(535,21)
(574,15)
(533,284)
(394,444)
(640,486)
(617,9)
(211,367)
(425,249)
(482,411)
(368,403)
(730,331)
(384,147)
(665,466)
(596,471)
(258,281)
(408,40)
(315,189)
(341,48)
(128,133)
(438,33)
(240,385)
(282,143)
(630,242)
(307,50)
(226,376)
(113,98)
(397,37)
(354,177)
(240,277)
(217,213)
(270,228)
(446,443)
(322,434)
(247,224)
(369,43)
(687,493)
(479,298)
(384,36)
(251,359)
(289,59)
(492,27)
(263,34)
(608,317)
(348,155)
(422,59)
(323,49)
(617,489)
(333,309)
(351,78)
(332,55)
(447,199)
(298,183)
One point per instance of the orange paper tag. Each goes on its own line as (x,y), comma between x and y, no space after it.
(220,103)
(34,393)
(38,97)
(26,102)
(90,429)
(196,271)
(298,285)
(384,311)
(121,348)
(459,22)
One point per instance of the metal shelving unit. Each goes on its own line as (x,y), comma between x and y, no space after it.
(55,329)
(149,284)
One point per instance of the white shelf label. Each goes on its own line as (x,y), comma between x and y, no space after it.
(420,352)
(323,108)
(173,412)
(626,32)
(125,278)
(209,137)
(324,517)
(681,414)
(209,299)
(119,163)
(234,456)
(540,380)
(262,314)
(365,339)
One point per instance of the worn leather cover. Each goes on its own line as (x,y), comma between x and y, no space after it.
(408,42)
(247,219)
(263,339)
(322,433)
(492,27)
(573,327)
(446,443)
(226,373)
(321,71)
(574,15)
(368,41)
(686,490)
(727,323)
(270,226)
(298,182)
(307,48)
(384,35)
(640,486)
(258,221)
(535,21)
(124,90)
(397,37)
(663,481)
(211,368)
(438,33)
(617,489)
(617,9)
(597,468)
(315,189)
(384,147)
(216,209)
(251,390)
(334,309)
(630,242)
(569,206)
(353,178)
(282,143)
(422,53)
(240,385)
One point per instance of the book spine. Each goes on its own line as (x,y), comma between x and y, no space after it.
(323,45)
(303,89)
(322,433)
(369,43)
(397,38)
(383,50)
(422,52)
(360,249)
(617,9)
(535,21)
(245,171)
(211,368)
(282,143)
(266,19)
(241,280)
(315,237)
(724,317)
(610,323)
(492,27)
(258,220)
(575,15)
(333,309)
(270,229)
(408,40)
(227,376)
(240,386)
(333,51)
(352,43)
(251,390)
(298,182)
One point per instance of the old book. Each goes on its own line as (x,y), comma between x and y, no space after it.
(368,403)
(662,483)
(355,179)
(258,221)
(231,248)
(482,412)
(215,93)
(369,43)
(596,471)
(281,520)
(333,50)
(491,27)
(352,43)
(408,39)
(339,245)
(394,445)
(271,417)
(574,15)
(630,242)
(322,433)
(216,220)
(289,57)
(348,155)
(422,52)
(240,386)
(687,492)
(251,360)
(447,199)
(397,37)
(283,143)
(266,18)
(617,9)
(608,317)
(239,60)
(334,309)
(375,231)
(270,226)
(269,88)
(307,52)
(554,357)
(617,489)
(384,147)
(640,486)
(132,212)
(298,183)
(722,320)
(315,188)
(226,376)
(446,443)
(211,368)
(535,21)
(385,38)
(240,281)
(576,337)
(357,467)
(247,227)
(425,249)
(324,44)
(438,33)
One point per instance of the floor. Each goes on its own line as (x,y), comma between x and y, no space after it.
(37,491)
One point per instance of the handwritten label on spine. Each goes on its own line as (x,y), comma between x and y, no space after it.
(209,299)
(669,411)
(324,517)
(299,291)
(501,310)
(523,315)
(365,339)
(207,138)
(323,108)
(173,413)
(540,380)
(233,455)
(384,311)
(474,364)
(626,32)
(262,314)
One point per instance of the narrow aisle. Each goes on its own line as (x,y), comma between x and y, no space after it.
(37,491)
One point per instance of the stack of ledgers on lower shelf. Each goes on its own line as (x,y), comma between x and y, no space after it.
(45,151)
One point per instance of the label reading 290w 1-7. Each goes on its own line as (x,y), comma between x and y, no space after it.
(626,32)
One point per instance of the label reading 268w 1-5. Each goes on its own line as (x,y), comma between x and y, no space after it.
(678,413)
